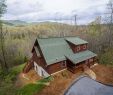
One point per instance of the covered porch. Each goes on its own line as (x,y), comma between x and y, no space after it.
(80,61)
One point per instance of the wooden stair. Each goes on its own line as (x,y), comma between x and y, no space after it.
(28,66)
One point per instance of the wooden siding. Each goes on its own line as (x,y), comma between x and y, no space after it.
(77,68)
(70,66)
(74,47)
(39,60)
(55,67)
(80,66)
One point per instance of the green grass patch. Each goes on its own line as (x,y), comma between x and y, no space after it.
(7,80)
(13,73)
(18,69)
(45,80)
(30,89)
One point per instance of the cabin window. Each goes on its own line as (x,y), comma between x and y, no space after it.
(78,48)
(63,64)
(42,73)
(36,68)
(86,61)
(84,46)
(91,60)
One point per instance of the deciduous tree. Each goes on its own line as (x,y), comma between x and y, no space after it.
(2,39)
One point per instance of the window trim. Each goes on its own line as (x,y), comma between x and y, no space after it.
(84,46)
(78,48)
(63,64)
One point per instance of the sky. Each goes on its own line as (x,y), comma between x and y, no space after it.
(55,10)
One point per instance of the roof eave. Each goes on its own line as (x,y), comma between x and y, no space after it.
(76,44)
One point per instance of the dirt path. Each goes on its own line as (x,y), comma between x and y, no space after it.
(104,74)
(60,83)
(90,73)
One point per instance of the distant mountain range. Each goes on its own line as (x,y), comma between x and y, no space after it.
(14,22)
(21,23)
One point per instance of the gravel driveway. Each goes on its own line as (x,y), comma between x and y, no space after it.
(87,86)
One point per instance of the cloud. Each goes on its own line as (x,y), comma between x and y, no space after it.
(18,7)
(37,10)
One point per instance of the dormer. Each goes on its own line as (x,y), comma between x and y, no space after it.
(77,44)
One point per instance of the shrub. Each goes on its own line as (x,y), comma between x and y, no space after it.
(107,57)
(7,80)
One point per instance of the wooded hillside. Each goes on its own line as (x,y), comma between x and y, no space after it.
(20,39)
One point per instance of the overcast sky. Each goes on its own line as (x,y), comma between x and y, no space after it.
(44,10)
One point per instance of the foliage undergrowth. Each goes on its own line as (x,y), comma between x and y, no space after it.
(107,57)
(7,80)
(31,89)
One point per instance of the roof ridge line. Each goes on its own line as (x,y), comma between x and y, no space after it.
(57,37)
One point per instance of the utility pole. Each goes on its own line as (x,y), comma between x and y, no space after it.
(74,21)
(110,13)
(75,18)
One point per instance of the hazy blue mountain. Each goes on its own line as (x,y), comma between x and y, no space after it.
(14,22)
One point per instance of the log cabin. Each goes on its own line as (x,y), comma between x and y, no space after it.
(52,55)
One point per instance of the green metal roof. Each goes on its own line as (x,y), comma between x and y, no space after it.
(76,40)
(82,56)
(57,49)
(54,49)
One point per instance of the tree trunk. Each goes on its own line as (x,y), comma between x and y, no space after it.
(5,66)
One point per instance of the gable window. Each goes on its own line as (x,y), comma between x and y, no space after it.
(78,48)
(63,64)
(84,46)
